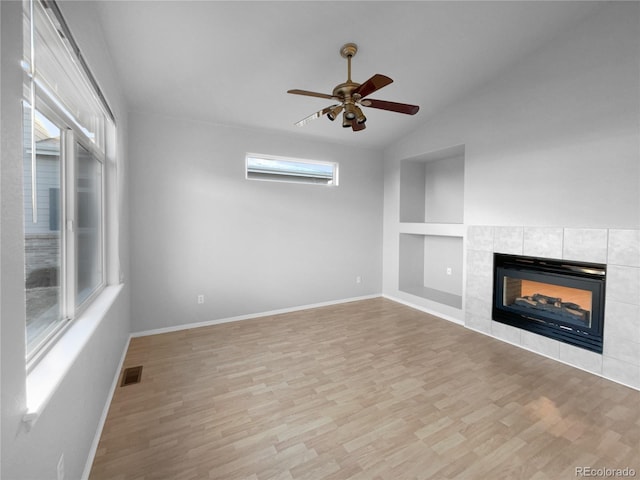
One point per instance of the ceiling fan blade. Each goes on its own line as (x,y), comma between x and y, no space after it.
(313,116)
(356,127)
(374,83)
(309,94)
(391,106)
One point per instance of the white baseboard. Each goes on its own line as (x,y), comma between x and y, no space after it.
(425,310)
(105,412)
(219,321)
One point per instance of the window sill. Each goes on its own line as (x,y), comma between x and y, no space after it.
(46,376)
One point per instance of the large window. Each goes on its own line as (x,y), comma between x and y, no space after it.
(42,230)
(88,198)
(65,124)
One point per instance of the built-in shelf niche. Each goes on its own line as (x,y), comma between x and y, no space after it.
(432,226)
(432,187)
(431,267)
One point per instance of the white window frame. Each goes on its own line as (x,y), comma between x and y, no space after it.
(71,136)
(72,133)
(291,176)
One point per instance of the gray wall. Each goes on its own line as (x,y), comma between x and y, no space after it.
(200,228)
(68,423)
(444,190)
(553,141)
(440,254)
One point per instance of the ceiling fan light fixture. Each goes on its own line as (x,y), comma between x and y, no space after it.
(333,113)
(360,118)
(350,111)
(346,122)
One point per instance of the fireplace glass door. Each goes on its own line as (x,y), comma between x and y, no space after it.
(554,302)
(554,298)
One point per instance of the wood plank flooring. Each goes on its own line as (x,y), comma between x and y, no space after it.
(364,390)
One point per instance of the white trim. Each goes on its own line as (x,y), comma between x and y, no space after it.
(250,316)
(424,309)
(105,411)
(48,374)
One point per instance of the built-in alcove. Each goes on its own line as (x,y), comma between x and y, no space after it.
(431,267)
(431,226)
(432,187)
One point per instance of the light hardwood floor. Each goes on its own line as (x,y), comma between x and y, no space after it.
(363,390)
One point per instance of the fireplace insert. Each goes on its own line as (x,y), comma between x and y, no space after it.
(559,299)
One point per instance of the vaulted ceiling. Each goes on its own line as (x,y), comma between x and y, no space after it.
(232,62)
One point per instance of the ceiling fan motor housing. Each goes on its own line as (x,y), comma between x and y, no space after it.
(344,90)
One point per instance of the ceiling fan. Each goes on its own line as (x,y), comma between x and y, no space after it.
(351,95)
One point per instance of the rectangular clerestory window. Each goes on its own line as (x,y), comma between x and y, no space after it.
(281,169)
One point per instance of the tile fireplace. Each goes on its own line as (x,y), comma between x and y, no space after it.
(617,249)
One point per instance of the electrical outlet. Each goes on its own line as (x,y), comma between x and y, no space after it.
(449,270)
(200,299)
(358,279)
(61,467)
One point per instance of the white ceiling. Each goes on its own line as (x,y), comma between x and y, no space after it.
(232,62)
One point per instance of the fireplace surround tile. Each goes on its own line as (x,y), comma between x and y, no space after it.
(540,344)
(478,322)
(478,287)
(480,237)
(581,358)
(479,274)
(585,244)
(623,284)
(618,248)
(624,247)
(478,306)
(508,240)
(480,262)
(622,349)
(543,242)
(622,322)
(621,371)
(506,332)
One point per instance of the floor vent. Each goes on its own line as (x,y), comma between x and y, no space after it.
(131,375)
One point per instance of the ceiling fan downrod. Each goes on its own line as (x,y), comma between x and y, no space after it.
(348,51)
(345,91)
